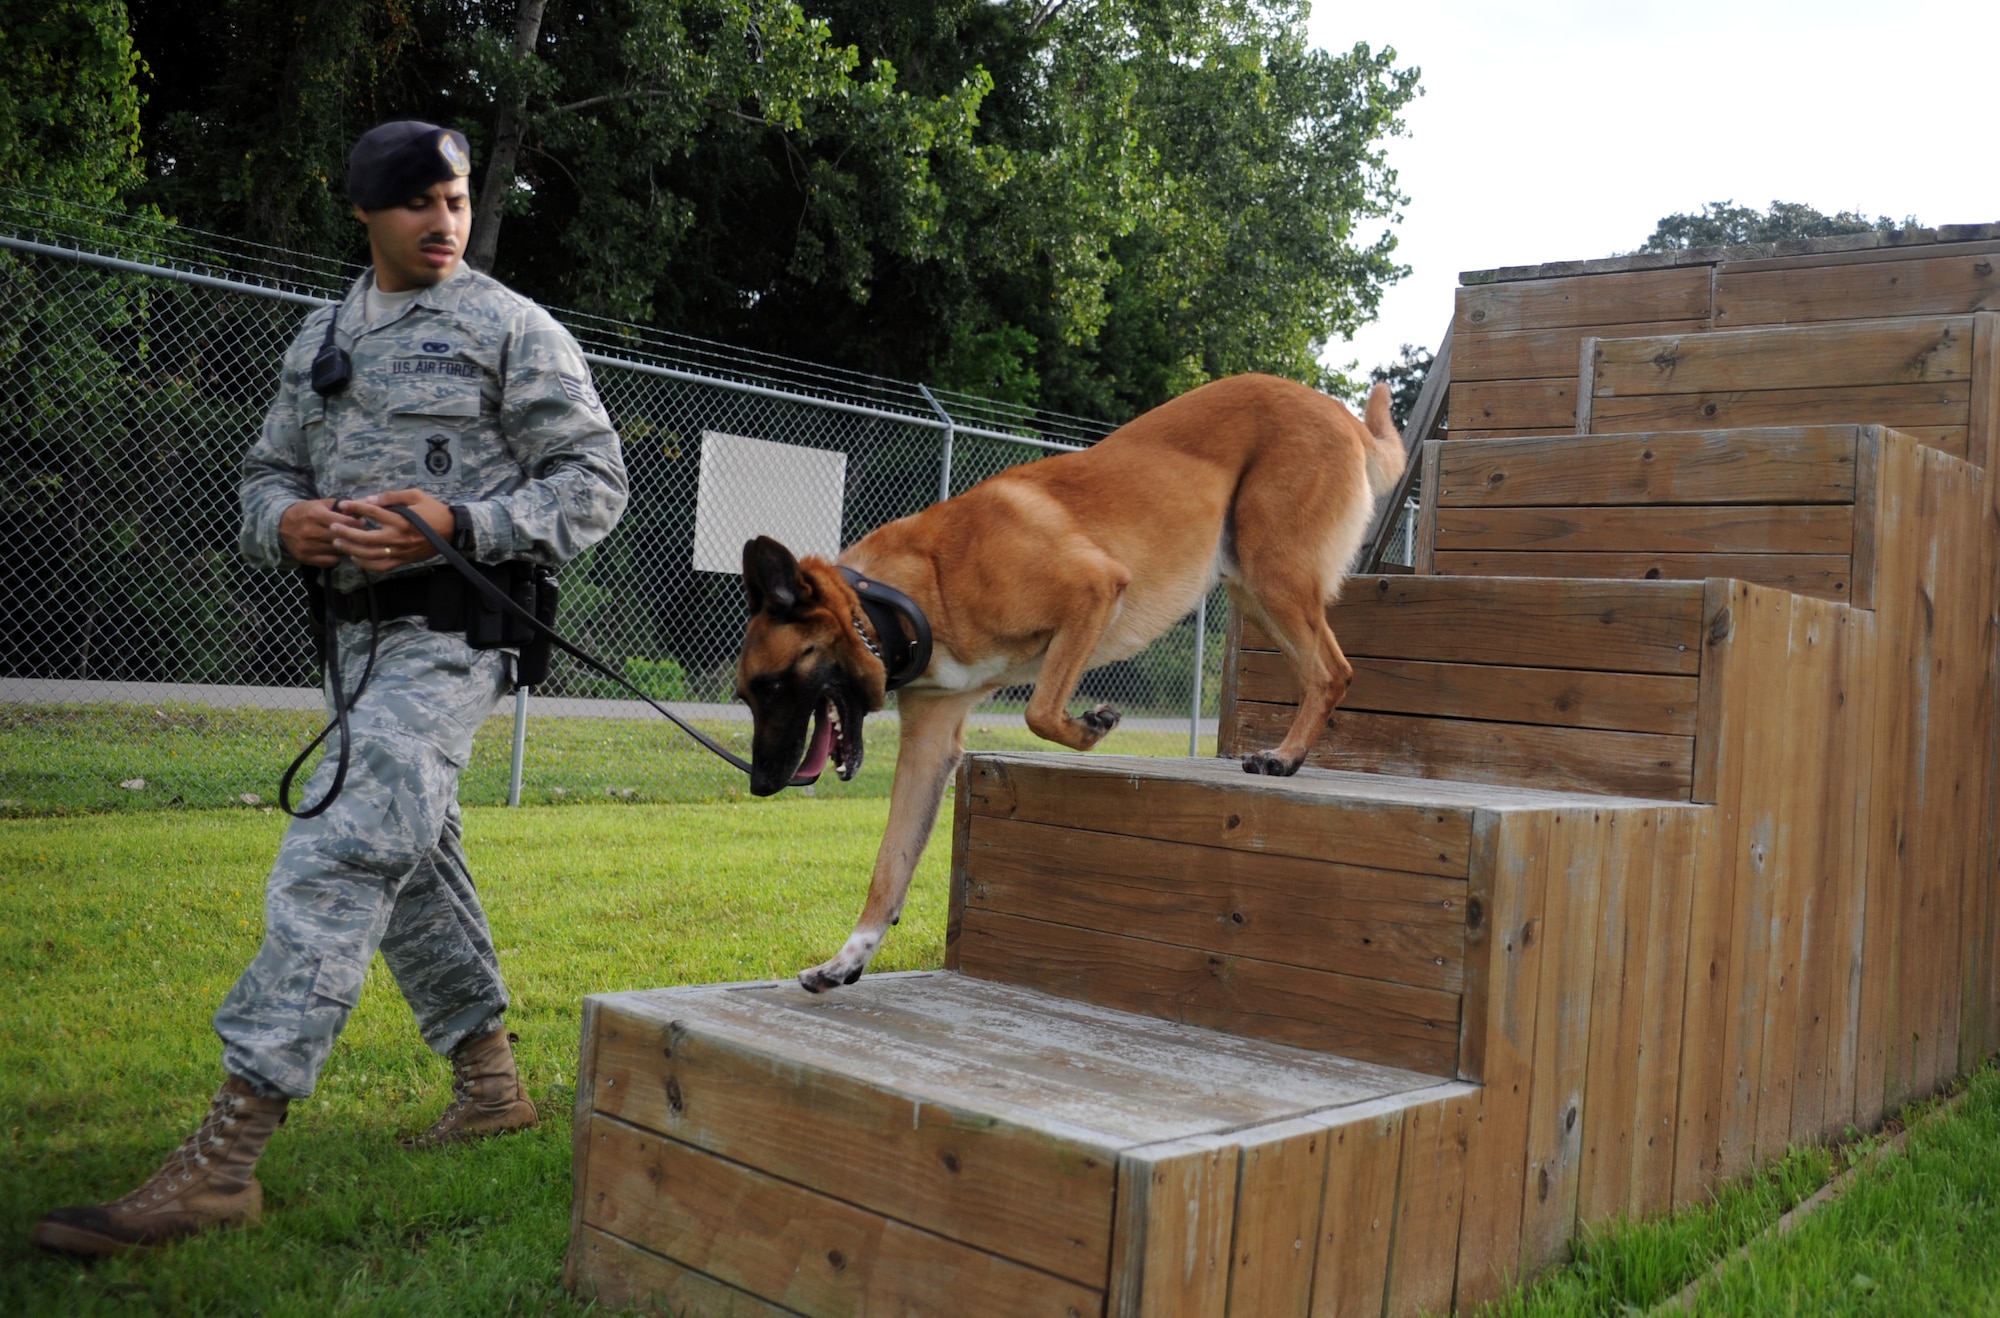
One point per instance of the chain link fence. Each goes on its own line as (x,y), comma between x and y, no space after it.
(142,663)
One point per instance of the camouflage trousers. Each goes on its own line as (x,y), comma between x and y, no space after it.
(384,867)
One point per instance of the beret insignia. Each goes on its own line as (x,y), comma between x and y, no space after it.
(454,155)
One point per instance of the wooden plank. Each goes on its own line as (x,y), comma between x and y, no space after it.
(1420,557)
(1514,404)
(1826,576)
(1606,626)
(1504,754)
(1982,440)
(1176,1205)
(961,836)
(1945,284)
(1750,846)
(1729,698)
(1931,350)
(1509,432)
(1282,1183)
(1790,1070)
(1945,439)
(1586,357)
(1367,1019)
(1423,1255)
(1687,529)
(1505,941)
(1610,1126)
(1358,1215)
(1821,806)
(1867,517)
(1849,788)
(1899,405)
(1379,924)
(796,1247)
(1580,844)
(1551,697)
(1790,464)
(619,1276)
(1537,354)
(1924,250)
(1260,815)
(1687,848)
(576,1263)
(1622,298)
(990,1184)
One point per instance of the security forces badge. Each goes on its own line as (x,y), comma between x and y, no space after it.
(438,461)
(454,155)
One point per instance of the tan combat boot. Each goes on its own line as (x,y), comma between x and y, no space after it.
(205,1183)
(487,1097)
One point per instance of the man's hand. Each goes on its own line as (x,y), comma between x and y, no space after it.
(377,539)
(307,528)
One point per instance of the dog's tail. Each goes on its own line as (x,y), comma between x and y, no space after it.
(1386,455)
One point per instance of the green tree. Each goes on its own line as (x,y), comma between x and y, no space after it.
(1725,224)
(69,109)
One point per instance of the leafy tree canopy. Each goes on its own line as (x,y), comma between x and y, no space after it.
(1087,204)
(1725,224)
(69,110)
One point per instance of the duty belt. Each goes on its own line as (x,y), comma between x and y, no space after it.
(398,597)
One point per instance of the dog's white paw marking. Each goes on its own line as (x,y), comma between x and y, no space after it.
(843,969)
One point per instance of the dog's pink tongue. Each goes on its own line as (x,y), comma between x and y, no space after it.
(821,746)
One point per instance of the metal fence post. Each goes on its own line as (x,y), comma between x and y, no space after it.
(520,744)
(950,433)
(1194,712)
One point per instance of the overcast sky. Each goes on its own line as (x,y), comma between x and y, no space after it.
(1563,130)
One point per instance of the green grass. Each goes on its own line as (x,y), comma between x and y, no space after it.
(1916,1232)
(70,759)
(119,935)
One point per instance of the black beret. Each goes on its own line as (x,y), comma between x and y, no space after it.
(393,162)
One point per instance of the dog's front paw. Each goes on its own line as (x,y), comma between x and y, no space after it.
(830,975)
(1098,722)
(1269,763)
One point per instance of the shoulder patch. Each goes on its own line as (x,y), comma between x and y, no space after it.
(580,390)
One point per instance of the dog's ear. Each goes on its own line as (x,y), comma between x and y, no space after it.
(771,578)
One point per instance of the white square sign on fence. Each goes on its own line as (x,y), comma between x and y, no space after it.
(753,487)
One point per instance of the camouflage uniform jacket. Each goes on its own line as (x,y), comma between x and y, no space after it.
(472,394)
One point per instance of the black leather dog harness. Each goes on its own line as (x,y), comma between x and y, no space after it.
(905,655)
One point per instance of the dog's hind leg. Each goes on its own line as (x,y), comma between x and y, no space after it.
(1091,588)
(1324,674)
(932,742)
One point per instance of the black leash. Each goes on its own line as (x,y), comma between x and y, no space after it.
(329,654)
(497,599)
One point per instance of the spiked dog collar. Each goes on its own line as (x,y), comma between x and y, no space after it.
(905,655)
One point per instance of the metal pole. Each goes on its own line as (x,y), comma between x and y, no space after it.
(1194,713)
(950,432)
(1410,532)
(520,744)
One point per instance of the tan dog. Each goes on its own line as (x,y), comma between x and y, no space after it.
(1056,566)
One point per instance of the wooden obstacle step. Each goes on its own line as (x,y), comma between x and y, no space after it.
(1793,507)
(1206,1044)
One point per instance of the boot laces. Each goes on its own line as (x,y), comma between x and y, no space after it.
(179,1170)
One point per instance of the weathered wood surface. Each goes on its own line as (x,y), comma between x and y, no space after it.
(1474,750)
(1904,351)
(1396,1025)
(619,1274)
(1607,626)
(1358,1217)
(1518,404)
(799,1248)
(1383,824)
(1553,697)
(1542,354)
(1935,285)
(1828,576)
(1685,529)
(1792,464)
(1380,924)
(1618,299)
(1906,407)
(1176,1207)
